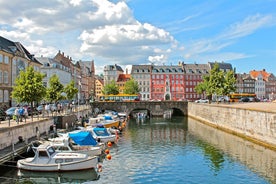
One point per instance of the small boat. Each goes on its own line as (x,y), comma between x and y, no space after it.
(102,134)
(46,159)
(81,142)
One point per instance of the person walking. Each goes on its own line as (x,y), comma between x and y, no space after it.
(16,114)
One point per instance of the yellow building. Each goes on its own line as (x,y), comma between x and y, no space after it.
(14,58)
(99,84)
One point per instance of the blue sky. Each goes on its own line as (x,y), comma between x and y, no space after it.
(128,32)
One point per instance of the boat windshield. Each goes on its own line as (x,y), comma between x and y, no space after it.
(51,150)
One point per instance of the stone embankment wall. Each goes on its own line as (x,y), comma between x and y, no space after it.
(25,130)
(254,125)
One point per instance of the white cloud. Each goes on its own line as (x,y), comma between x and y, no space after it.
(214,46)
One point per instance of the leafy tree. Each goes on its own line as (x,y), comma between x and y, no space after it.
(131,87)
(54,92)
(230,83)
(217,82)
(70,90)
(111,88)
(29,87)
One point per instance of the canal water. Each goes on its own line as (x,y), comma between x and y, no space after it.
(159,151)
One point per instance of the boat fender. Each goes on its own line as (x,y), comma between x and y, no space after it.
(58,166)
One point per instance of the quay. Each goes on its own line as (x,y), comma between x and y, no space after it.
(15,137)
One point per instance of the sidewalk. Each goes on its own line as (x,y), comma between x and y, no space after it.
(13,123)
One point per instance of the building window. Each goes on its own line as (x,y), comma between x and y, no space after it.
(1,76)
(6,96)
(1,95)
(6,59)
(1,58)
(6,81)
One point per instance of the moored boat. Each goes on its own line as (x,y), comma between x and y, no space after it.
(46,159)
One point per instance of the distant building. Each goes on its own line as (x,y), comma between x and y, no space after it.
(99,84)
(142,74)
(264,84)
(52,67)
(112,72)
(245,83)
(14,57)
(193,75)
(122,79)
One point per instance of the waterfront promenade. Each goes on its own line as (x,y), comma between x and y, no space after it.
(259,106)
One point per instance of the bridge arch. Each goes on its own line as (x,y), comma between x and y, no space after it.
(157,108)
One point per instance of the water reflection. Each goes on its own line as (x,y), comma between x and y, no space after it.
(257,158)
(212,154)
(55,177)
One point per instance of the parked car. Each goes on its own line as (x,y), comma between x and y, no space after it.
(244,99)
(202,101)
(40,109)
(10,112)
(2,115)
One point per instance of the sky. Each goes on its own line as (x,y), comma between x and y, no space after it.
(160,32)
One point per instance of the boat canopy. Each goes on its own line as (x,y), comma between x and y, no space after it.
(106,117)
(101,131)
(83,138)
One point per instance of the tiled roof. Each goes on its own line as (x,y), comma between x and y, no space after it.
(14,47)
(254,74)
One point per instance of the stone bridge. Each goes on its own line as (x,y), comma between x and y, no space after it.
(154,108)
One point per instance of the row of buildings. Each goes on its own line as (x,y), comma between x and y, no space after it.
(171,82)
(177,82)
(14,57)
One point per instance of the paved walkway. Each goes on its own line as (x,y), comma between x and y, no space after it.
(260,106)
(12,123)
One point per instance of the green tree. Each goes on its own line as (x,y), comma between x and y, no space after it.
(230,83)
(70,90)
(29,87)
(131,87)
(111,88)
(55,89)
(217,82)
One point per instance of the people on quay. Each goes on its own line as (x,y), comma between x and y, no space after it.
(16,114)
(21,114)
(47,109)
(26,113)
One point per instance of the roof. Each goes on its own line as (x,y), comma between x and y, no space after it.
(16,48)
(255,74)
(123,77)
(222,65)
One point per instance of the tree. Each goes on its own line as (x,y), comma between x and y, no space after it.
(230,83)
(70,90)
(29,87)
(111,88)
(54,92)
(217,82)
(131,87)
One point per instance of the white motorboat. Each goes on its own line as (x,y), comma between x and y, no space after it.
(102,134)
(48,160)
(81,142)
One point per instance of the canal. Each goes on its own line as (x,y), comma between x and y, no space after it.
(180,150)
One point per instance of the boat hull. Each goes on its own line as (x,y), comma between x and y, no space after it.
(29,165)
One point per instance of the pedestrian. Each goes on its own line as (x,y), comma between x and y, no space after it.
(16,114)
(21,113)
(26,112)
